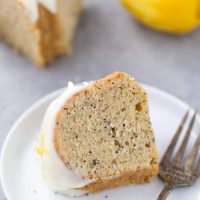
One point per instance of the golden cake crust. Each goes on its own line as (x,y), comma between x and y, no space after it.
(128,178)
(50,32)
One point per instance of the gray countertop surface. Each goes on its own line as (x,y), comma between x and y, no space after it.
(107,39)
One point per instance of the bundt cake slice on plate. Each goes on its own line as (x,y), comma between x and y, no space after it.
(98,135)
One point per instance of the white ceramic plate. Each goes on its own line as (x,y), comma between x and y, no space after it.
(21,177)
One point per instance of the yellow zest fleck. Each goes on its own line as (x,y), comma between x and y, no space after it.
(41,150)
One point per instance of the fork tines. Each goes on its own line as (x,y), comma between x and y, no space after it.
(178,158)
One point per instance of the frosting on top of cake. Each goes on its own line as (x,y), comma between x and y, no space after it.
(31,7)
(57,175)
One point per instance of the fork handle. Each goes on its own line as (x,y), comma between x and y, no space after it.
(165,192)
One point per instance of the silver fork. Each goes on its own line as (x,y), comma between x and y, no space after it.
(173,170)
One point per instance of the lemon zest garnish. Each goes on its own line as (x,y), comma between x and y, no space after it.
(41,150)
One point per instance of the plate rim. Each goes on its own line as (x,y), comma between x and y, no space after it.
(51,95)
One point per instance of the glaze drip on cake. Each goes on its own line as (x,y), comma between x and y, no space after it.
(56,174)
(31,7)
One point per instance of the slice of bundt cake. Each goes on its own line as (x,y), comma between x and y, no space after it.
(102,135)
(41,29)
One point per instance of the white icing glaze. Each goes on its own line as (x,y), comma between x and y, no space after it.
(31,7)
(56,174)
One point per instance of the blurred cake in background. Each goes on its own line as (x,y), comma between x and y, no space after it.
(41,29)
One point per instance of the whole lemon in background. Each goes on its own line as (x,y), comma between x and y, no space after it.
(175,16)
